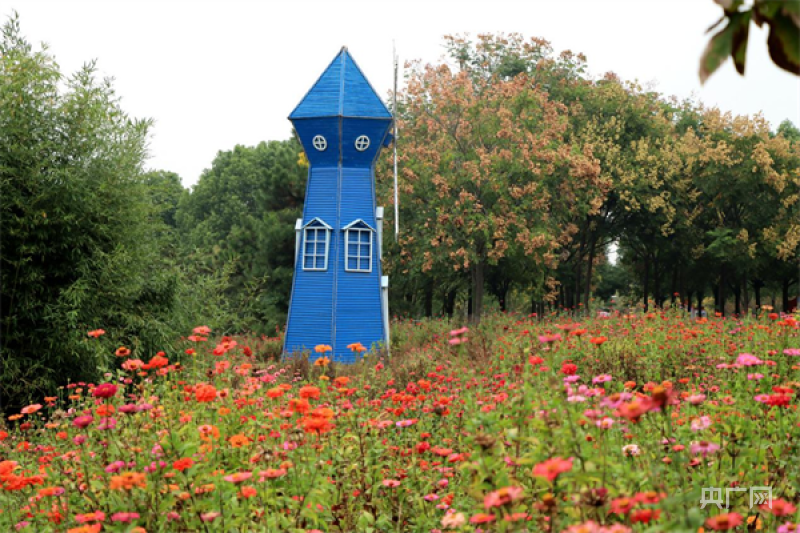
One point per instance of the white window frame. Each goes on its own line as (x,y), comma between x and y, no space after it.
(357,227)
(360,143)
(316,225)
(320,143)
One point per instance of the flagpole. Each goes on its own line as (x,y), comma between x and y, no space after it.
(394,111)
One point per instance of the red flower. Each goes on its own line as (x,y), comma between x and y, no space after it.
(779,508)
(106,390)
(724,522)
(183,464)
(122,352)
(482,518)
(569,369)
(645,515)
(97,333)
(622,505)
(598,341)
(205,393)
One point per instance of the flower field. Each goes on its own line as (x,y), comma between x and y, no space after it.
(521,424)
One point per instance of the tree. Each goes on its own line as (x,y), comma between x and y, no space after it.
(240,216)
(485,159)
(77,250)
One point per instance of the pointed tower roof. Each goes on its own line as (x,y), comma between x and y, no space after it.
(341,91)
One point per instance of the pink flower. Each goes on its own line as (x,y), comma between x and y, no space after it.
(239,477)
(602,378)
(746,359)
(701,423)
(795,352)
(209,516)
(431,497)
(459,332)
(704,447)
(501,497)
(552,468)
(124,517)
(82,421)
(391,483)
(106,390)
(755,377)
(549,339)
(453,520)
(696,399)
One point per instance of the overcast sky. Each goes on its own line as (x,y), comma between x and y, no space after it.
(216,74)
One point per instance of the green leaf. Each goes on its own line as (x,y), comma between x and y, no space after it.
(717,51)
(741,24)
(784,43)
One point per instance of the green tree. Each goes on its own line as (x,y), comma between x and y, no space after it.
(240,217)
(78,250)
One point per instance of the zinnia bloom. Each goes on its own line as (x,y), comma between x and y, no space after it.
(724,522)
(502,497)
(552,468)
(106,390)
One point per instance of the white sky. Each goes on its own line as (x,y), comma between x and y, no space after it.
(216,74)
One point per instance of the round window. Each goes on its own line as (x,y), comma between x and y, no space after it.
(362,143)
(320,143)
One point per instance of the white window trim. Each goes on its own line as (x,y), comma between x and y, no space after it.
(315,225)
(357,226)
(363,147)
(318,141)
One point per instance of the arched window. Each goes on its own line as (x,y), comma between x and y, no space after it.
(316,237)
(358,247)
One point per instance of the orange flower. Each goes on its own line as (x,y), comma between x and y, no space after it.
(299,405)
(239,440)
(598,341)
(322,361)
(247,492)
(356,347)
(97,333)
(86,528)
(122,352)
(128,481)
(322,348)
(275,392)
(341,381)
(309,391)
(208,432)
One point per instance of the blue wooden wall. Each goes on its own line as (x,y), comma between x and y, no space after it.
(337,307)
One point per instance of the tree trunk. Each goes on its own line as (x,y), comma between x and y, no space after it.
(449,303)
(646,282)
(721,291)
(589,267)
(700,294)
(757,290)
(579,270)
(478,269)
(745,296)
(737,300)
(657,273)
(673,290)
(785,302)
(429,299)
(688,297)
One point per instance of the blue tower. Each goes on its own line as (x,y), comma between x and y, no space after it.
(339,296)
